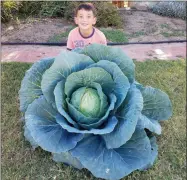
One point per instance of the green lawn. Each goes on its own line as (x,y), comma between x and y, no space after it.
(58,38)
(20,162)
(112,35)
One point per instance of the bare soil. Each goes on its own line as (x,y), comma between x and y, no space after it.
(138,26)
(146,26)
(34,30)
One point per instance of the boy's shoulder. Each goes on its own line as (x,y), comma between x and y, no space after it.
(75,30)
(100,33)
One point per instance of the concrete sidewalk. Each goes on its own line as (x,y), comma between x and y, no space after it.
(28,53)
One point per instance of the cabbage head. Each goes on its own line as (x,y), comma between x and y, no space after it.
(87,109)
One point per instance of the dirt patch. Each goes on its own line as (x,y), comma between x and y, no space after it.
(34,30)
(138,26)
(146,26)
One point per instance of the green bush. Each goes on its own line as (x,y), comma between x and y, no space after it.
(53,8)
(33,8)
(9,10)
(43,8)
(107,14)
(30,8)
(70,10)
(114,35)
(170,9)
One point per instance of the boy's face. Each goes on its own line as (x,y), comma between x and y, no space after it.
(85,19)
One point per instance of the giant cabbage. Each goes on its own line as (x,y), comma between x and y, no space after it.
(87,109)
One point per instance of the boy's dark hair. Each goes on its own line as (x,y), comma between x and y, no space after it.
(87,7)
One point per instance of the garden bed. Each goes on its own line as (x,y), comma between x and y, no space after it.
(138,26)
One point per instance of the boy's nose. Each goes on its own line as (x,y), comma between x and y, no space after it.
(84,18)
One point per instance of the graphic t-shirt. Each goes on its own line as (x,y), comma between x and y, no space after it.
(77,40)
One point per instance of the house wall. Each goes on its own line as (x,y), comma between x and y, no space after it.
(135,4)
(119,4)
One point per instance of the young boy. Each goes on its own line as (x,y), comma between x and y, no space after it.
(85,33)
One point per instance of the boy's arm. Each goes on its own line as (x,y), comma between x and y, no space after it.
(104,41)
(69,42)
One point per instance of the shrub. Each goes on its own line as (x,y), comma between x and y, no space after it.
(43,8)
(107,14)
(170,9)
(53,8)
(9,10)
(70,10)
(30,8)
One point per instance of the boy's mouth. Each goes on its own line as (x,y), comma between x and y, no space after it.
(84,24)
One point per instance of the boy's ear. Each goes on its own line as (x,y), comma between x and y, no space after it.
(94,21)
(75,20)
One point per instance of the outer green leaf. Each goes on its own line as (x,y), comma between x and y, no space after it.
(67,158)
(107,127)
(77,50)
(121,81)
(86,77)
(31,83)
(151,125)
(113,164)
(46,132)
(29,138)
(99,52)
(60,95)
(61,103)
(65,63)
(157,104)
(138,85)
(128,116)
(154,154)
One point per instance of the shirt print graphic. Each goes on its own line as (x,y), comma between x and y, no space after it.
(79,43)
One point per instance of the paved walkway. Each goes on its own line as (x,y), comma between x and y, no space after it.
(28,53)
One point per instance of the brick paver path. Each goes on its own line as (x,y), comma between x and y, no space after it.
(28,53)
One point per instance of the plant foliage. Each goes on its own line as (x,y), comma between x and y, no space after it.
(107,14)
(8,10)
(87,109)
(176,9)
